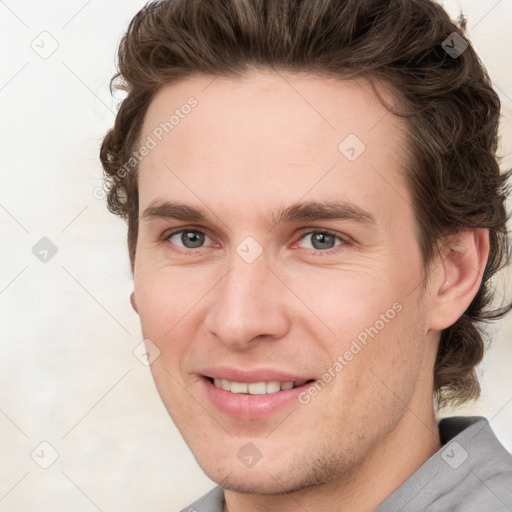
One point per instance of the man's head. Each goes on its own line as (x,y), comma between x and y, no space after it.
(272,130)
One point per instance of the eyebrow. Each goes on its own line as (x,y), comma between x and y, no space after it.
(309,211)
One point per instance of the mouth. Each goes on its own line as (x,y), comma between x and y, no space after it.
(252,401)
(256,388)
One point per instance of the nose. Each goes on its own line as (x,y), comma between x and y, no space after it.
(249,303)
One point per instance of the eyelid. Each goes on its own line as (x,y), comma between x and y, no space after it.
(170,232)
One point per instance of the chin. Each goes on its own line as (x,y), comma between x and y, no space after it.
(263,484)
(265,479)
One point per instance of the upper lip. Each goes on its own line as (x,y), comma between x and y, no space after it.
(255,375)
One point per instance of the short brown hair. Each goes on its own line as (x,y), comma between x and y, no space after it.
(450,107)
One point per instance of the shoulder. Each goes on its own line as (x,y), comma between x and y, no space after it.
(476,464)
(472,472)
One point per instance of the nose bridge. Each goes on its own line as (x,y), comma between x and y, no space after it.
(247,280)
(246,302)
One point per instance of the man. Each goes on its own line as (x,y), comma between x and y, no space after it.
(314,210)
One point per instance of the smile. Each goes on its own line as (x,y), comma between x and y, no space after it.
(252,400)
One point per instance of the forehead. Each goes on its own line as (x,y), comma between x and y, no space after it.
(272,136)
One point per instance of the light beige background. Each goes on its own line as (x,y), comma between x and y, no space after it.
(68,376)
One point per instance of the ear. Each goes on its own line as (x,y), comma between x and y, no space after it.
(133,303)
(458,276)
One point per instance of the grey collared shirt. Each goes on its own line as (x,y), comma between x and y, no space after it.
(472,472)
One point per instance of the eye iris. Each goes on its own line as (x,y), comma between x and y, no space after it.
(323,241)
(192,239)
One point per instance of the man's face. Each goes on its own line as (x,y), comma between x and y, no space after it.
(249,295)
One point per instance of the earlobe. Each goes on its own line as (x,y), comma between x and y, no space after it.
(463,263)
(133,303)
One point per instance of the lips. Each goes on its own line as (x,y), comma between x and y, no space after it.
(252,394)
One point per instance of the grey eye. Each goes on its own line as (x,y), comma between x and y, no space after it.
(321,240)
(190,239)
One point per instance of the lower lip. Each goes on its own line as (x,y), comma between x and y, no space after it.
(251,407)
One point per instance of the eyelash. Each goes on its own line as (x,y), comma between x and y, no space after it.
(168,234)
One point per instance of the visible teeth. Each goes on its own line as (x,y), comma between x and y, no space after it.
(239,387)
(273,386)
(256,388)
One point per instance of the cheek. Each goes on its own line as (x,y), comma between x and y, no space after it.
(378,378)
(347,301)
(163,300)
(373,328)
